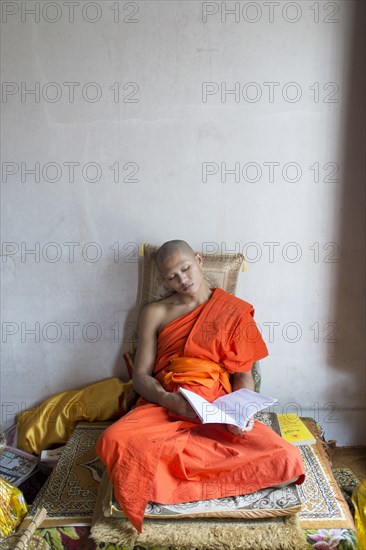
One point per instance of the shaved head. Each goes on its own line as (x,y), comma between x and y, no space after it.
(171,247)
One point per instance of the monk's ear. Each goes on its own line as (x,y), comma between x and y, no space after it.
(199,258)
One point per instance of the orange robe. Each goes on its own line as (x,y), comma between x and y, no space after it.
(153,455)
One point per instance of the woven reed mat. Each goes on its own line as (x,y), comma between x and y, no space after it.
(279,533)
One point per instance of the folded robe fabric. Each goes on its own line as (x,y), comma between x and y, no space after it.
(53,421)
(191,370)
(153,455)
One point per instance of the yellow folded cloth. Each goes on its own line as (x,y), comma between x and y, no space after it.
(53,421)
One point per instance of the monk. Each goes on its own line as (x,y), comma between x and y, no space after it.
(205,340)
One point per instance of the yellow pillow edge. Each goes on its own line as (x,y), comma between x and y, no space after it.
(100,401)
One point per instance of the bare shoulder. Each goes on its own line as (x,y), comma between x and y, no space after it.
(152,315)
(156,314)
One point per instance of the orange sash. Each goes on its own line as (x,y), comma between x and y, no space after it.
(195,371)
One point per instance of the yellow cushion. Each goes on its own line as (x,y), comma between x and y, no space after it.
(53,422)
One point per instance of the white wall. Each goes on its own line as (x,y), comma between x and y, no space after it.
(168,133)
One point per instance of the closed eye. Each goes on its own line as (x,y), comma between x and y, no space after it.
(186,269)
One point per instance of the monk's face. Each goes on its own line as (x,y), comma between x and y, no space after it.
(183,272)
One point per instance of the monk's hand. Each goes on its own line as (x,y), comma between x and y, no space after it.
(179,405)
(241,431)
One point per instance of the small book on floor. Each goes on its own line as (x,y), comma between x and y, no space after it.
(294,430)
(51,456)
(235,408)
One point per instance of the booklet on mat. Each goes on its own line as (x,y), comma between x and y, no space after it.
(294,430)
(235,408)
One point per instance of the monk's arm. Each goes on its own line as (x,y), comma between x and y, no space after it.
(144,382)
(243,380)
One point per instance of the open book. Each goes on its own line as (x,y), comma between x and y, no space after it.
(235,408)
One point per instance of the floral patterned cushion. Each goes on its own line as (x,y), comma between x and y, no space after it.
(268,502)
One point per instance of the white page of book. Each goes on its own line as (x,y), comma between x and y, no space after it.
(235,408)
(242,404)
(208,412)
